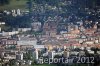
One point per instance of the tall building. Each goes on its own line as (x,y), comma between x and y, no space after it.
(1,23)
(18,12)
(36,26)
(19,56)
(51,54)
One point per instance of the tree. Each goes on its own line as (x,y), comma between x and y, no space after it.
(4,2)
(95,50)
(12,62)
(17,22)
(30,6)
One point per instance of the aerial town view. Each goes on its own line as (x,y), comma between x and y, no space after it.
(49,32)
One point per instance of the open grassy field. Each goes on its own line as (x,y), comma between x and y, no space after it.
(15,4)
(45,65)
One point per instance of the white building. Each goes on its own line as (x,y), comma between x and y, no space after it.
(27,42)
(36,54)
(18,12)
(1,23)
(81,53)
(24,29)
(19,56)
(14,12)
(51,54)
(9,33)
(0,29)
(66,54)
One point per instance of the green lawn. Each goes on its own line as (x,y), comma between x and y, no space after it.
(14,4)
(79,65)
(45,65)
(56,65)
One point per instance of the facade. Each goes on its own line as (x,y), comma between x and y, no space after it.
(26,42)
(1,23)
(19,56)
(36,26)
(9,43)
